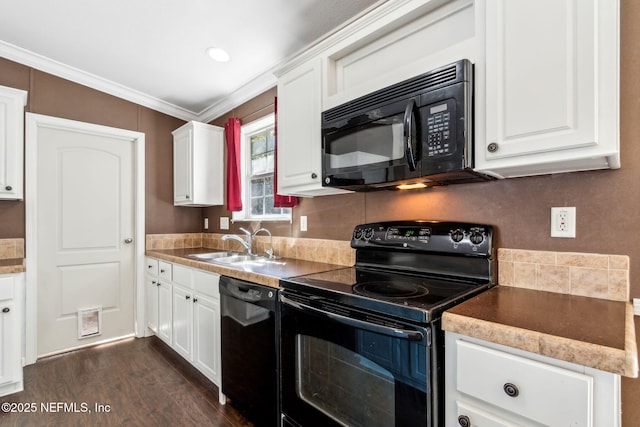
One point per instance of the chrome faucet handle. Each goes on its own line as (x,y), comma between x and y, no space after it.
(247,232)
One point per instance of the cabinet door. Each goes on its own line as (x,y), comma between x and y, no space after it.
(299,132)
(152,303)
(182,167)
(206,352)
(164,311)
(544,87)
(10,367)
(12,102)
(182,321)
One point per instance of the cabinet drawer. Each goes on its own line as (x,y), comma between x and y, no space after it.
(481,417)
(165,270)
(151,266)
(206,283)
(6,287)
(182,276)
(489,375)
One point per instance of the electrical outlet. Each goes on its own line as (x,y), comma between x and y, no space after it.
(224,223)
(206,223)
(303,223)
(563,222)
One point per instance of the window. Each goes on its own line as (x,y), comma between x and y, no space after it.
(258,144)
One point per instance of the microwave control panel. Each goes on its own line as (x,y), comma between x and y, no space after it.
(440,128)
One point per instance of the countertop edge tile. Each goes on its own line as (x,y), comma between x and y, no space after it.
(617,361)
(12,265)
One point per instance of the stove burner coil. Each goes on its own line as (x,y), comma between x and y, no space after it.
(390,290)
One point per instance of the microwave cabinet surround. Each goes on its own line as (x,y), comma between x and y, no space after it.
(198,165)
(523,126)
(493,385)
(12,102)
(299,156)
(418,131)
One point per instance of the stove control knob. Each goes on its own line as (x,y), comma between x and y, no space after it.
(457,235)
(476,237)
(357,234)
(368,233)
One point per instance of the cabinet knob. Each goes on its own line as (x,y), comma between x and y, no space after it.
(8,188)
(187,297)
(186,197)
(464,421)
(158,284)
(314,175)
(150,267)
(195,300)
(162,271)
(6,310)
(493,147)
(511,390)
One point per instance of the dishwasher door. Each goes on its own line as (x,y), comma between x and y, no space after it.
(249,359)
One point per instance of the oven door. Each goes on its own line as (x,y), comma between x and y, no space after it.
(341,370)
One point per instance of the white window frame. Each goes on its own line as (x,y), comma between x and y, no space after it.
(246,132)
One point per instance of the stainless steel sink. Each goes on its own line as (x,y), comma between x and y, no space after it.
(236,259)
(209,256)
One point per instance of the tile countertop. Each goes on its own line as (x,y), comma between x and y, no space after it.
(268,275)
(12,265)
(593,332)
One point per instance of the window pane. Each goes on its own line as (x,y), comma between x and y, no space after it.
(271,140)
(257,206)
(270,162)
(257,187)
(258,144)
(258,165)
(268,186)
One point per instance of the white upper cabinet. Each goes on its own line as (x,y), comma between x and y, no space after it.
(299,133)
(198,165)
(552,78)
(12,102)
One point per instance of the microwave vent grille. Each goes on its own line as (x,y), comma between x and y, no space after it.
(405,89)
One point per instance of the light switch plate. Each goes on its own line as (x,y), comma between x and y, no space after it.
(303,223)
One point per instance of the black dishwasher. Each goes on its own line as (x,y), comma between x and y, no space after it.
(249,359)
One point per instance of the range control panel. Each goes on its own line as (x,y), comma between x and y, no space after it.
(426,236)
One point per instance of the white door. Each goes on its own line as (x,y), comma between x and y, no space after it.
(85,228)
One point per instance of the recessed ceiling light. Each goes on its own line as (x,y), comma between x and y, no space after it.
(218,54)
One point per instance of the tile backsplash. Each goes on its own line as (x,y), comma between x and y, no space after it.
(584,274)
(11,248)
(329,251)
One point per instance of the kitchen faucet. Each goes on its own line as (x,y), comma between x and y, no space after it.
(268,251)
(247,242)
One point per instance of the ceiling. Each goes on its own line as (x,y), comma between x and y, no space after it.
(153,52)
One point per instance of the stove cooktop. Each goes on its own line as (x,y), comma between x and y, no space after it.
(417,298)
(413,270)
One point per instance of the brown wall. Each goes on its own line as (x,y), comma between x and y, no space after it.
(53,96)
(608,202)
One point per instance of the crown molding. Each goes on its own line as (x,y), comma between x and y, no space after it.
(42,63)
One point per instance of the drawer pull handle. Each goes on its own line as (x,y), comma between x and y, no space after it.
(464,421)
(511,390)
(6,310)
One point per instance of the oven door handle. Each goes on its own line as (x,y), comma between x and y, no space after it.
(384,330)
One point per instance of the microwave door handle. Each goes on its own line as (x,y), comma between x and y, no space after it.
(409,137)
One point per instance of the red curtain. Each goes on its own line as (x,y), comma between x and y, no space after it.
(234,181)
(278,200)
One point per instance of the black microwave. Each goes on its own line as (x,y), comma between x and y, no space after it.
(418,132)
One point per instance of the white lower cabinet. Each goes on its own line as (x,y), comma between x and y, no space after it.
(187,304)
(488,384)
(11,323)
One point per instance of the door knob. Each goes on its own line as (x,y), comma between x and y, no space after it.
(129,240)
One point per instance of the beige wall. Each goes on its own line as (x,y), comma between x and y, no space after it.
(608,202)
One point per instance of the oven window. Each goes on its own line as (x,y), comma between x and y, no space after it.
(346,386)
(378,142)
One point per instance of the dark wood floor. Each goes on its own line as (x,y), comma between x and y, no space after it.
(143,382)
